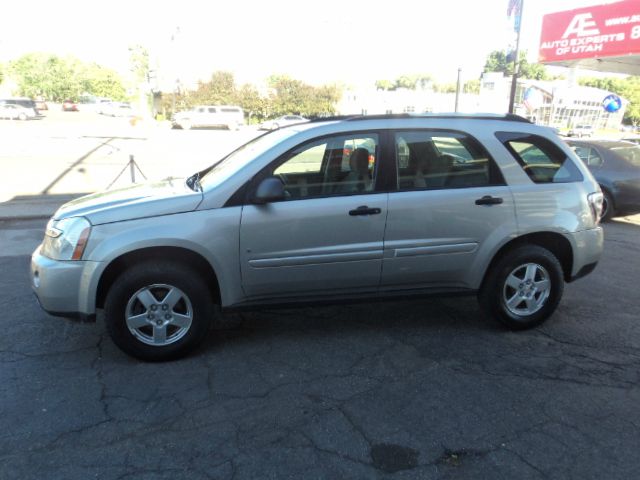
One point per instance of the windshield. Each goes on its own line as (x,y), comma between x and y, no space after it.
(228,166)
(630,154)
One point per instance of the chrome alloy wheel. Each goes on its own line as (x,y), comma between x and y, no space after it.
(159,314)
(526,289)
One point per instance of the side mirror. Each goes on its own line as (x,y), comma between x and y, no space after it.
(270,189)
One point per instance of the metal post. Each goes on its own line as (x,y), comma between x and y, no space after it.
(132,169)
(514,79)
(458,90)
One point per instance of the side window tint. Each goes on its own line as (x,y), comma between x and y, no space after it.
(594,160)
(341,165)
(540,158)
(436,159)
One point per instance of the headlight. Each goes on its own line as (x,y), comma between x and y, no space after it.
(66,239)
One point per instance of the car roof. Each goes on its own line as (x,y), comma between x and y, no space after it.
(449,115)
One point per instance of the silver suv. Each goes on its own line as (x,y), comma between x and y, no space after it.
(344,208)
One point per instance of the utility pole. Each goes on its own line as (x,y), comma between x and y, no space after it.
(517,26)
(458,90)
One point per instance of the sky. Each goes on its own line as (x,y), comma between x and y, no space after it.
(352,42)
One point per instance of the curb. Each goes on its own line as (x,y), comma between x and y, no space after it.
(33,207)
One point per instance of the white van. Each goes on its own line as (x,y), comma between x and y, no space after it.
(228,116)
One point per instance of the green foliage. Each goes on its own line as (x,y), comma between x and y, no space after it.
(410,82)
(445,87)
(294,96)
(628,88)
(219,90)
(384,85)
(139,63)
(288,96)
(499,61)
(472,86)
(255,106)
(57,79)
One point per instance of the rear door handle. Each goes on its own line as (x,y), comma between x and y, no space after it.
(364,210)
(489,200)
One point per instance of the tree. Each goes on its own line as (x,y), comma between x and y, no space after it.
(139,63)
(471,86)
(384,85)
(445,87)
(294,96)
(58,78)
(219,90)
(252,103)
(500,61)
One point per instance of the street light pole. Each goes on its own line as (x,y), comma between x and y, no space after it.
(458,90)
(514,79)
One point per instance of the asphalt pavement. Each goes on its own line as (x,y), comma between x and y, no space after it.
(426,389)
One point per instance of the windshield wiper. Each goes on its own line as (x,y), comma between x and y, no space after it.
(194,182)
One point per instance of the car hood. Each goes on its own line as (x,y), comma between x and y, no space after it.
(138,201)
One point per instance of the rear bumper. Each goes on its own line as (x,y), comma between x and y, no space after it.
(587,250)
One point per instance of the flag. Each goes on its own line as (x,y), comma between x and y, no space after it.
(514,9)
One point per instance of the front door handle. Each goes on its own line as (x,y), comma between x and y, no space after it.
(364,210)
(489,200)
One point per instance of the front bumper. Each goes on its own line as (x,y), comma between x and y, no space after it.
(64,288)
(587,250)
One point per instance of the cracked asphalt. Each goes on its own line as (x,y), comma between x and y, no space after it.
(426,389)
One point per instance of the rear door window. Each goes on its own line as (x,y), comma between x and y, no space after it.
(428,159)
(540,158)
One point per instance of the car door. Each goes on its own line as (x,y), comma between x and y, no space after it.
(450,209)
(326,237)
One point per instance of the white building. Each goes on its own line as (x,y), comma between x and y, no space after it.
(556,103)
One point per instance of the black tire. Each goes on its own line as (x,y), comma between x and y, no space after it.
(123,302)
(532,303)
(608,208)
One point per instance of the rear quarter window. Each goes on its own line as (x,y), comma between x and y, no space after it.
(541,159)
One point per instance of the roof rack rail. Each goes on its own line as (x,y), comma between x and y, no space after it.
(467,116)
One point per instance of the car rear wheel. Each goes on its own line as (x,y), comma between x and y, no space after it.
(158,311)
(22,116)
(608,209)
(185,124)
(523,288)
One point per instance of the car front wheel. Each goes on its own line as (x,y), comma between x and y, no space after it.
(523,288)
(158,311)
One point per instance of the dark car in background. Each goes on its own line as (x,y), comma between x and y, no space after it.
(616,167)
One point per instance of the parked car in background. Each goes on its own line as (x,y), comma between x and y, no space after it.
(228,116)
(41,104)
(352,208)
(11,111)
(69,106)
(117,109)
(616,167)
(581,131)
(635,140)
(282,121)
(21,101)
